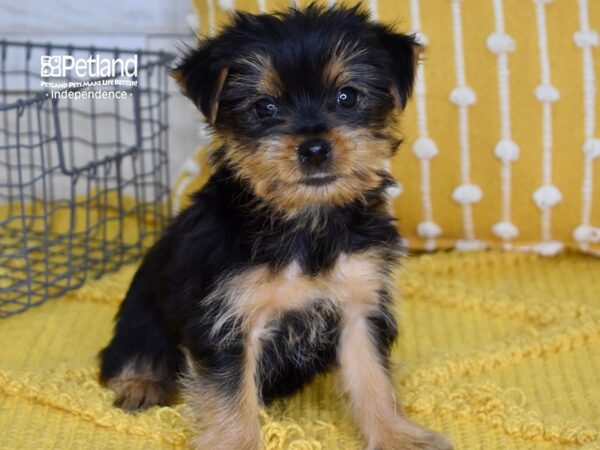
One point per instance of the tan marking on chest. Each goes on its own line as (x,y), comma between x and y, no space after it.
(254,299)
(256,296)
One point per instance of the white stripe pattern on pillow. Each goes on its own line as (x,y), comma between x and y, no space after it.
(506,150)
(463,96)
(227,5)
(586,39)
(424,147)
(547,195)
(262,5)
(374,9)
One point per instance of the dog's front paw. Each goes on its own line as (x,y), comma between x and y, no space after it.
(220,439)
(412,437)
(430,440)
(137,394)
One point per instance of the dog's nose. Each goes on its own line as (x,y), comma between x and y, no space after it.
(314,152)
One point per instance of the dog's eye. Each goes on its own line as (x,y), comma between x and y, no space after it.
(265,107)
(347,97)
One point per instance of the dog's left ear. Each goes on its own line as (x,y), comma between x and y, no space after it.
(201,75)
(405,53)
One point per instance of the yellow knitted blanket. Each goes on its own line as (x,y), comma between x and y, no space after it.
(500,351)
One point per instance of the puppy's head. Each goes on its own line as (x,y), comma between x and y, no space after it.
(303,101)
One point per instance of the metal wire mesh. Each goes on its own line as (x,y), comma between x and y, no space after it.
(84,183)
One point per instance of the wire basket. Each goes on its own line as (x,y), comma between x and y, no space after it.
(84,184)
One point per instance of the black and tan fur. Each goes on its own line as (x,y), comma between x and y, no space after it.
(281,268)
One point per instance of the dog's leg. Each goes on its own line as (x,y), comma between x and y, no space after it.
(141,360)
(220,387)
(365,377)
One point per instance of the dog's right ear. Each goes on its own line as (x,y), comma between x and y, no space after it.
(201,75)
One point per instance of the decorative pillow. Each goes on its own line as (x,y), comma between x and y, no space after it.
(502,146)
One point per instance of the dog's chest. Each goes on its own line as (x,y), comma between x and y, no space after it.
(354,279)
(259,300)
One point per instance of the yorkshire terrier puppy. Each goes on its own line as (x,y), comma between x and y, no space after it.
(281,268)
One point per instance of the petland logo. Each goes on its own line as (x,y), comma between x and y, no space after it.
(101,78)
(94,67)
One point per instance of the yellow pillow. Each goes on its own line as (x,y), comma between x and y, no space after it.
(502,144)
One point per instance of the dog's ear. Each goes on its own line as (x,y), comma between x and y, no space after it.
(405,52)
(201,75)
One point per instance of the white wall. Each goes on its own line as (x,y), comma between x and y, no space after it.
(145,24)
